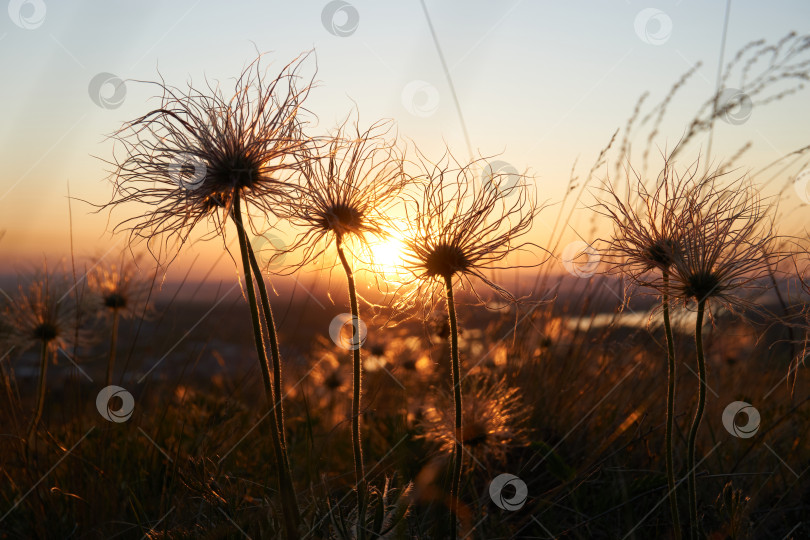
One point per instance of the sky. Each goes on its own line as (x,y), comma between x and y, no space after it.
(541,84)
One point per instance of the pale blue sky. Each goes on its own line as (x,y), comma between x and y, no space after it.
(542,82)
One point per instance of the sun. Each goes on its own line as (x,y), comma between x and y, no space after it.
(387,253)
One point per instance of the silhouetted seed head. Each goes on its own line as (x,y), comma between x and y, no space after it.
(187,158)
(662,252)
(119,287)
(342,219)
(493,422)
(459,229)
(115,301)
(701,284)
(444,260)
(46,332)
(351,182)
(727,241)
(647,223)
(44,311)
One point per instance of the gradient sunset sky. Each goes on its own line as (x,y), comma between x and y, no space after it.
(540,83)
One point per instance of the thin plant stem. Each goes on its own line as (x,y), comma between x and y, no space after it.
(288,499)
(456,381)
(275,355)
(673,499)
(690,442)
(113,344)
(357,379)
(43,373)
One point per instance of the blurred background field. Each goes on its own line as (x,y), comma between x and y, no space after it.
(567,403)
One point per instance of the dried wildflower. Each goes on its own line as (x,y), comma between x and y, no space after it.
(44,313)
(647,224)
(328,374)
(121,288)
(494,422)
(350,187)
(196,158)
(121,293)
(459,228)
(727,244)
(351,184)
(186,159)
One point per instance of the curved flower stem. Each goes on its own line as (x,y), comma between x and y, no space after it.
(113,344)
(43,373)
(673,499)
(288,499)
(456,381)
(275,355)
(690,442)
(357,379)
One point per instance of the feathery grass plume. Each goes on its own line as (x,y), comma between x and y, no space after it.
(350,186)
(647,225)
(727,245)
(758,74)
(494,422)
(457,230)
(43,313)
(120,293)
(195,158)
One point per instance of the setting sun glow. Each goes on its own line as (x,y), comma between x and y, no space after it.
(387,253)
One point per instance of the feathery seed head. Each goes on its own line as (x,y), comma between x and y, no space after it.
(187,158)
(727,244)
(459,228)
(351,182)
(44,311)
(119,286)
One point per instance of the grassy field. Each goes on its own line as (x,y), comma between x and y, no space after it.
(575,411)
